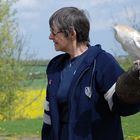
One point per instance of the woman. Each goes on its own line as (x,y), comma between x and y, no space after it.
(81,102)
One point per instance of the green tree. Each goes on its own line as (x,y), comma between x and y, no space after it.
(11,71)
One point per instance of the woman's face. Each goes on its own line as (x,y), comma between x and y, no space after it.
(61,43)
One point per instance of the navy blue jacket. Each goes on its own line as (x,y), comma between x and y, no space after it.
(93,107)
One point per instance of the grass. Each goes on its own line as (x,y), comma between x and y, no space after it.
(37,81)
(36,84)
(36,68)
(16,128)
(32,127)
(131,125)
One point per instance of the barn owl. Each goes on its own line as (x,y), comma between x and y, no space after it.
(128,84)
(129,38)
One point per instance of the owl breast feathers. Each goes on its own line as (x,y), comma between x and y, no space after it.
(129,38)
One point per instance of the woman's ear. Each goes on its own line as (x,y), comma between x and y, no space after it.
(73,34)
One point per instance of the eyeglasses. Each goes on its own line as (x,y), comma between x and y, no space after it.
(55,33)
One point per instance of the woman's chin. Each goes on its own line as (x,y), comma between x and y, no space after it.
(57,49)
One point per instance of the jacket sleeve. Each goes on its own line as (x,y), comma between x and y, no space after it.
(46,128)
(106,76)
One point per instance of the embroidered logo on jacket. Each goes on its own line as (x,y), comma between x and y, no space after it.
(88,91)
(50,82)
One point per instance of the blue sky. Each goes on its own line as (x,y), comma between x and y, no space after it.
(33,16)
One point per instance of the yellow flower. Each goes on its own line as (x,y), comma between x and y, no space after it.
(31,104)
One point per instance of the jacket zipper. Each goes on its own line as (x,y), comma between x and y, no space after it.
(73,90)
(91,83)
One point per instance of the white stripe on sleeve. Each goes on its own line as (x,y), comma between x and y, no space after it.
(108,96)
(46,106)
(47,119)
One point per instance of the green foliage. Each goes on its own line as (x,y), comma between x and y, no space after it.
(11,71)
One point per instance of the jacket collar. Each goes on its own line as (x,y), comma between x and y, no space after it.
(57,63)
(93,51)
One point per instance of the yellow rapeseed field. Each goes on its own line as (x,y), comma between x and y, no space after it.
(31,104)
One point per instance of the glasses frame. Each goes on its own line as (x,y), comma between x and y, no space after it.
(55,33)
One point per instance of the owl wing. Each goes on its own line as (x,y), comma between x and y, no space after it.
(137,42)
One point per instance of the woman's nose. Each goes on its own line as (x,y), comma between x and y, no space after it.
(51,36)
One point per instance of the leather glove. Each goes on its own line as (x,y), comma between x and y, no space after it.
(128,85)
